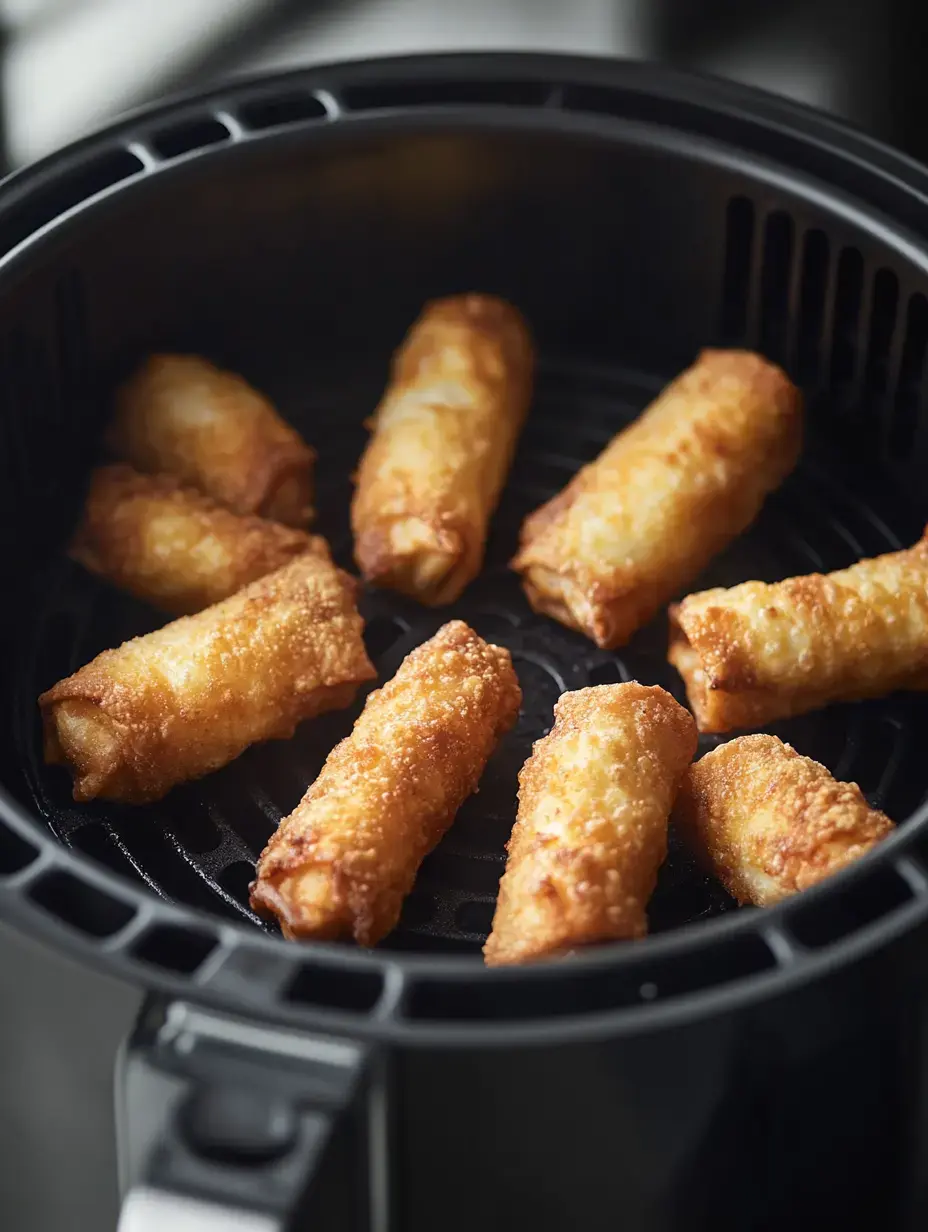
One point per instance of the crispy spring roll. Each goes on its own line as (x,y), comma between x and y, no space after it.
(343,861)
(182,416)
(769,822)
(173,547)
(183,701)
(591,832)
(443,439)
(760,652)
(665,496)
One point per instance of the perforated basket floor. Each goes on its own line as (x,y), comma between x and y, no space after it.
(198,846)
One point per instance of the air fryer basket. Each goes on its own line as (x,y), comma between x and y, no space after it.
(291,229)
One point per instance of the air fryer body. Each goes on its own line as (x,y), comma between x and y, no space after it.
(768,1076)
(803,1116)
(807,1112)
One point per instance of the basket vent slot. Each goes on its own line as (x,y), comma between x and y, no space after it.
(198,832)
(909,387)
(884,308)
(736,287)
(335,987)
(188,136)
(279,110)
(849,289)
(383,94)
(102,845)
(419,910)
(774,285)
(81,905)
(236,879)
(813,290)
(15,852)
(785,291)
(475,916)
(173,948)
(826,316)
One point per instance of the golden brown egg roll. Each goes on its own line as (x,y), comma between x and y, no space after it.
(443,439)
(591,831)
(664,497)
(183,701)
(344,860)
(769,822)
(182,416)
(173,547)
(760,652)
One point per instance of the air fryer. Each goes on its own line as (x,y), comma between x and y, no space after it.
(738,1069)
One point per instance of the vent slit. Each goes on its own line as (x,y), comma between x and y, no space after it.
(16,852)
(884,306)
(775,284)
(812,293)
(174,948)
(736,281)
(381,94)
(189,135)
(911,374)
(847,302)
(90,909)
(279,110)
(338,988)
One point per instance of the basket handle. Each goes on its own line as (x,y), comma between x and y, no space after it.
(151,1210)
(225,1124)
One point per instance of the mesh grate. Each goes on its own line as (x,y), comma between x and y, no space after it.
(197,846)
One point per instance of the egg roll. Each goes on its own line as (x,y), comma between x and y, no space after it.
(181,415)
(443,439)
(591,831)
(342,863)
(760,652)
(769,822)
(173,547)
(665,496)
(180,702)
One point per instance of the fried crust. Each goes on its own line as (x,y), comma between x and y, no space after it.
(344,860)
(769,822)
(759,652)
(665,496)
(180,702)
(443,439)
(183,416)
(591,833)
(173,547)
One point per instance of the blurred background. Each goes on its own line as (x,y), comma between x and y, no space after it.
(69,66)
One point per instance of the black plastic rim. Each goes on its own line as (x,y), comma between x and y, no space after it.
(383,994)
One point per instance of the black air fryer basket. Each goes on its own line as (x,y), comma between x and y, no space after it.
(738,1070)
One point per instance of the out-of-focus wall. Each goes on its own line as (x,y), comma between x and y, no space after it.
(73,64)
